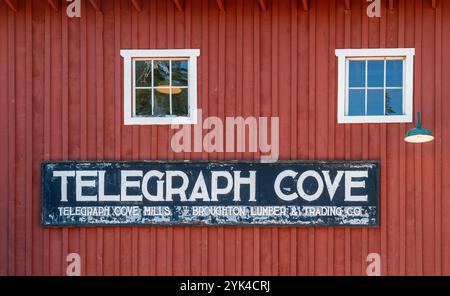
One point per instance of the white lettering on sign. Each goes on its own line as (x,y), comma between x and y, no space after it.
(129,184)
(159,196)
(63,175)
(80,183)
(331,185)
(157,186)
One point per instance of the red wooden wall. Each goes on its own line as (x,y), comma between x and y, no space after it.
(61,99)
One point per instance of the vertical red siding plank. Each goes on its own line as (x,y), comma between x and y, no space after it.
(143,41)
(402,156)
(347,239)
(221,114)
(47,124)
(445,91)
(213,17)
(65,119)
(321,144)
(19,96)
(248,78)
(274,112)
(11,141)
(356,134)
(383,156)
(170,44)
(154,138)
(284,83)
(92,132)
(135,28)
(265,36)
(108,56)
(162,138)
(83,121)
(392,164)
(4,143)
(410,157)
(374,243)
(204,86)
(293,118)
(302,125)
(418,148)
(340,34)
(239,112)
(331,73)
(118,97)
(100,122)
(438,144)
(428,95)
(128,135)
(38,106)
(365,142)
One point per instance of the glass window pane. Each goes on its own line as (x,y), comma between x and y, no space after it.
(180,101)
(143,73)
(357,72)
(180,73)
(394,102)
(162,103)
(161,73)
(394,73)
(375,73)
(356,102)
(375,102)
(143,102)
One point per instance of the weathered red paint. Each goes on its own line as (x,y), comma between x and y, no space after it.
(61,99)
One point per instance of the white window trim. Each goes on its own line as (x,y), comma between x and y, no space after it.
(129,55)
(408,76)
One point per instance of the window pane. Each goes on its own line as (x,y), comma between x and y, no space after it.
(375,102)
(394,102)
(144,73)
(143,102)
(375,73)
(162,103)
(394,73)
(161,73)
(180,101)
(357,72)
(180,73)
(356,104)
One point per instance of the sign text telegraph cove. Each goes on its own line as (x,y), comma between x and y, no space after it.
(343,193)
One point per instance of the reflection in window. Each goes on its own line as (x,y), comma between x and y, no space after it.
(375,86)
(161,87)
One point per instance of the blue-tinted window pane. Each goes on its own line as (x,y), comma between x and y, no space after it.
(357,72)
(161,71)
(394,102)
(356,102)
(394,73)
(375,73)
(180,73)
(375,102)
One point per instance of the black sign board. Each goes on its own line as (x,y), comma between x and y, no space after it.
(319,193)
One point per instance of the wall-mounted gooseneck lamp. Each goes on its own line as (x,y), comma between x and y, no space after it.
(419,134)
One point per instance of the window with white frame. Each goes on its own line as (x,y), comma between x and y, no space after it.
(160,86)
(375,85)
